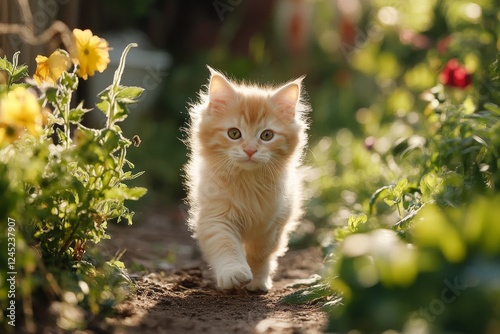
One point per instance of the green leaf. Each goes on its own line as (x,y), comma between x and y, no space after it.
(76,114)
(128,94)
(5,65)
(51,94)
(19,73)
(61,135)
(480,140)
(110,140)
(333,303)
(21,84)
(380,192)
(429,185)
(404,224)
(129,176)
(124,142)
(136,193)
(103,106)
(310,281)
(124,193)
(121,112)
(90,133)
(469,106)
(400,187)
(492,107)
(69,81)
(116,264)
(309,294)
(389,202)
(129,164)
(470,149)
(354,221)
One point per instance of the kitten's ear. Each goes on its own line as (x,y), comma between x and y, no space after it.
(287,97)
(220,91)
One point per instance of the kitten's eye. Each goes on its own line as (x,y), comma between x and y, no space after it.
(234,133)
(267,135)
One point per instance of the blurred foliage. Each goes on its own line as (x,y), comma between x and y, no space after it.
(445,281)
(411,190)
(393,144)
(413,125)
(57,195)
(367,64)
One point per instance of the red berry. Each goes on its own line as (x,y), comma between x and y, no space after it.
(455,75)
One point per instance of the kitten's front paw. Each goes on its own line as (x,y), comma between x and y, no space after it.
(233,276)
(259,284)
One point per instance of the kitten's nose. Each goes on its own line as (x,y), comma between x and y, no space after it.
(250,152)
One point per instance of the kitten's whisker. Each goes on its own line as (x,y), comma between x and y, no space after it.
(273,169)
(272,176)
(221,166)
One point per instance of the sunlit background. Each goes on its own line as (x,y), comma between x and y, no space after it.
(390,84)
(367,63)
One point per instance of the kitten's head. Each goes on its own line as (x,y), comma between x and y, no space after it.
(248,127)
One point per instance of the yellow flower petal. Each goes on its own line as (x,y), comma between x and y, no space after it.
(50,69)
(91,53)
(19,111)
(42,69)
(58,63)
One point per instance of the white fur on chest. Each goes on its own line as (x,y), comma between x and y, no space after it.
(251,202)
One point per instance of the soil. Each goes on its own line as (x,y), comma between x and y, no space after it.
(176,293)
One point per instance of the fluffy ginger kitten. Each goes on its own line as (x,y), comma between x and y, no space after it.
(243,178)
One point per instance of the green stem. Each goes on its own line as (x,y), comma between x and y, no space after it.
(116,83)
(118,74)
(398,205)
(68,240)
(112,106)
(67,129)
(62,104)
(123,153)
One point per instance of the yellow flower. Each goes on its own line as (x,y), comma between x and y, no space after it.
(19,111)
(90,53)
(50,69)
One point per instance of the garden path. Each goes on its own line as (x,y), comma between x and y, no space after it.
(175,292)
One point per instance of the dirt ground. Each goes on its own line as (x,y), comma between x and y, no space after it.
(175,291)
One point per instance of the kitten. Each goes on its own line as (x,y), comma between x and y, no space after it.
(243,181)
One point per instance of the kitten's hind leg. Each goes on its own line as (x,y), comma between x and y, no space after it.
(262,269)
(223,251)
(262,256)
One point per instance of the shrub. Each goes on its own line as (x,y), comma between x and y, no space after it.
(59,191)
(430,265)
(414,246)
